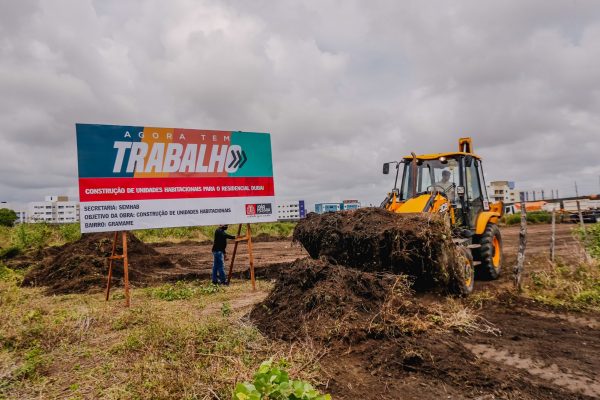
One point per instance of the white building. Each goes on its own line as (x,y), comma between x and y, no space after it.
(54,210)
(291,210)
(503,191)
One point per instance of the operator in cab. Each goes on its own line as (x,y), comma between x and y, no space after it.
(447,185)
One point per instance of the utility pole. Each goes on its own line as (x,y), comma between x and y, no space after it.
(557,194)
(533,191)
(543,197)
(576,191)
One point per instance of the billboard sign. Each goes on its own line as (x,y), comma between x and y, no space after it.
(133,177)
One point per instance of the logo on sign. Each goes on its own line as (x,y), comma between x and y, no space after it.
(259,209)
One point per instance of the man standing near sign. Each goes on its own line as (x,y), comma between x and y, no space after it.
(218,250)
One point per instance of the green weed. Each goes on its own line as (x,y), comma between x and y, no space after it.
(591,239)
(533,217)
(226,309)
(34,360)
(560,285)
(179,291)
(273,382)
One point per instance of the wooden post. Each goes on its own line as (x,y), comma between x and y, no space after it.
(235,246)
(113,256)
(581,221)
(249,231)
(126,270)
(586,256)
(248,239)
(518,270)
(110,264)
(553,239)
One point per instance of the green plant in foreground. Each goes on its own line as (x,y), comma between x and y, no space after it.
(210,288)
(226,309)
(273,383)
(591,239)
(179,291)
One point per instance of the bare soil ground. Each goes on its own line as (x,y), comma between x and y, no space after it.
(194,260)
(532,351)
(539,353)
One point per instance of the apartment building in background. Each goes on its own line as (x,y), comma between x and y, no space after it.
(291,210)
(54,210)
(321,208)
(503,191)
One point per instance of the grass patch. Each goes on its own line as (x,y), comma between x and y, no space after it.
(50,346)
(565,286)
(9,275)
(206,233)
(183,291)
(533,217)
(38,235)
(591,239)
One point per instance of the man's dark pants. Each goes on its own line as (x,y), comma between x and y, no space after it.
(218,271)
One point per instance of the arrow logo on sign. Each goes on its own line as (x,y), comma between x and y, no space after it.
(239,159)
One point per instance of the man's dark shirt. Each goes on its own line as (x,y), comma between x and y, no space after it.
(220,242)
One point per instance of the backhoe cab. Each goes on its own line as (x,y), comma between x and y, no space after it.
(452,184)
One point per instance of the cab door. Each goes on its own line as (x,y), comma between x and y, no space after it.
(474,192)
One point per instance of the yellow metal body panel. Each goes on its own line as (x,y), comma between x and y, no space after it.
(417,205)
(435,156)
(484,218)
(414,205)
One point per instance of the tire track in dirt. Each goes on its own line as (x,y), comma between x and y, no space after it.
(568,379)
(587,322)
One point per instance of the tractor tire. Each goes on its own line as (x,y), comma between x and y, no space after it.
(466,281)
(490,253)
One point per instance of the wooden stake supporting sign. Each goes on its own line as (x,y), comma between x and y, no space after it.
(248,239)
(113,256)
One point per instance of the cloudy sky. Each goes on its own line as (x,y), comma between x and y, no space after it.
(342,86)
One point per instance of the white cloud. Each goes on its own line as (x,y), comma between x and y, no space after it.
(342,85)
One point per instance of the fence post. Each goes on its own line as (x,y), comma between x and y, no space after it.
(586,256)
(518,270)
(553,240)
(581,221)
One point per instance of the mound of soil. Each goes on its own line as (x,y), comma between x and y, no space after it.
(374,239)
(368,327)
(83,265)
(316,299)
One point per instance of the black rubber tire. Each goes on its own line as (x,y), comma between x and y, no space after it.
(462,287)
(485,254)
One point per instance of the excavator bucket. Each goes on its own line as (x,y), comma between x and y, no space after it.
(376,240)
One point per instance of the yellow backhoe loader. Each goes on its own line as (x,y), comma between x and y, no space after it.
(453,184)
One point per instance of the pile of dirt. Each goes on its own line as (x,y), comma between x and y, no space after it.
(380,340)
(374,239)
(83,265)
(319,300)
